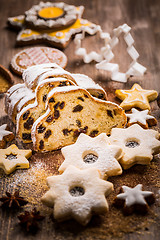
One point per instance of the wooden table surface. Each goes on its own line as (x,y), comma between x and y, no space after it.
(144,18)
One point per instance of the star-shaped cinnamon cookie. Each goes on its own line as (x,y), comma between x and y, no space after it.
(134,199)
(95,152)
(13,158)
(141,117)
(138,144)
(76,194)
(136,97)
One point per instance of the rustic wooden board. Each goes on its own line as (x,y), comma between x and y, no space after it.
(143,17)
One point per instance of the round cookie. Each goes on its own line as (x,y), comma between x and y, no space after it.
(52,15)
(37,55)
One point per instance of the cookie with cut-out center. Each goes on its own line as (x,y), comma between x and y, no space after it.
(13,158)
(136,97)
(134,199)
(95,152)
(138,144)
(77,194)
(141,117)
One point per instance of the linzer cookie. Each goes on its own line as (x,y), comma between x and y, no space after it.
(77,194)
(6,79)
(95,152)
(138,144)
(71,111)
(134,199)
(51,15)
(13,158)
(37,55)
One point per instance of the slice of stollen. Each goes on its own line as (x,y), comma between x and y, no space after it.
(71,111)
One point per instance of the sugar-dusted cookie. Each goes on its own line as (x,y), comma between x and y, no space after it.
(136,97)
(138,144)
(90,152)
(134,199)
(37,55)
(77,194)
(13,158)
(49,15)
(5,135)
(71,111)
(141,117)
(6,79)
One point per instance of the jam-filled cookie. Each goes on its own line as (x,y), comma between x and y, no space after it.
(77,194)
(138,144)
(95,152)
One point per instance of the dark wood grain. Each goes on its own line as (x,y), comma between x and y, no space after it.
(144,18)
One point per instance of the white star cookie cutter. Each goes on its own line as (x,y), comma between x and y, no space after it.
(95,152)
(140,117)
(135,69)
(13,158)
(81,51)
(133,197)
(138,144)
(76,194)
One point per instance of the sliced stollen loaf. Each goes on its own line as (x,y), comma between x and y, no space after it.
(17,99)
(71,111)
(30,113)
(93,88)
(33,75)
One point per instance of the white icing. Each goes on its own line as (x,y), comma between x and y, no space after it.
(71,14)
(79,207)
(46,37)
(134,69)
(3,131)
(30,75)
(148,144)
(134,195)
(139,116)
(107,155)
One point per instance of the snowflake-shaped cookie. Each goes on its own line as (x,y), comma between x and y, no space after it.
(95,152)
(134,199)
(138,144)
(13,158)
(136,97)
(141,117)
(76,194)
